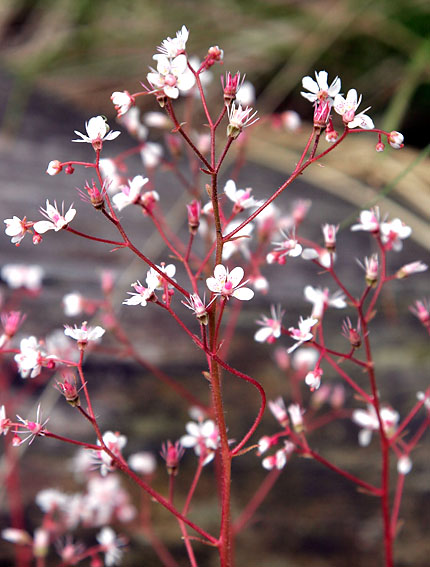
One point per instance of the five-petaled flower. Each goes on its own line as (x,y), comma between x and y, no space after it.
(368,421)
(203,437)
(84,334)
(31,358)
(172,47)
(98,131)
(123,101)
(392,234)
(57,220)
(16,228)
(347,107)
(241,197)
(111,545)
(319,89)
(228,284)
(369,221)
(130,193)
(303,333)
(270,326)
(172,75)
(321,299)
(288,247)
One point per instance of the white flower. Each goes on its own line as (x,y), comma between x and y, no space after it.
(143,462)
(411,268)
(57,220)
(241,197)
(172,47)
(15,227)
(313,379)
(279,411)
(30,358)
(240,241)
(369,221)
(288,247)
(54,167)
(246,94)
(271,327)
(321,299)
(303,333)
(368,421)
(156,120)
(151,154)
(130,193)
(319,89)
(141,297)
(83,334)
(111,545)
(122,101)
(347,107)
(279,459)
(404,465)
(154,280)
(98,132)
(115,443)
(321,255)
(239,118)
(203,437)
(14,535)
(51,499)
(73,304)
(171,76)
(393,232)
(226,283)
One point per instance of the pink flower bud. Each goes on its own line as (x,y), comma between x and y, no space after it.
(194,210)
(395,139)
(70,169)
(172,454)
(54,167)
(380,147)
(322,113)
(329,232)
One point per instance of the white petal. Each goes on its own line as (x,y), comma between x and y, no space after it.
(309,84)
(236,275)
(243,293)
(220,272)
(263,334)
(43,226)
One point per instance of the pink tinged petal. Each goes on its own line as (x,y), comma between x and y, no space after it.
(263,334)
(236,276)
(243,293)
(155,79)
(70,215)
(220,272)
(362,121)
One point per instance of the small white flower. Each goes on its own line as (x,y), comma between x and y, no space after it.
(319,89)
(369,221)
(324,257)
(404,465)
(368,421)
(172,47)
(279,411)
(241,197)
(14,535)
(73,304)
(288,247)
(157,120)
(16,228)
(98,131)
(57,220)
(130,193)
(245,96)
(270,326)
(151,154)
(313,379)
(303,332)
(228,284)
(172,75)
(393,232)
(115,443)
(54,167)
(239,118)
(141,297)
(30,358)
(296,417)
(240,241)
(321,299)
(347,107)
(122,101)
(83,334)
(154,280)
(280,458)
(143,462)
(111,545)
(203,437)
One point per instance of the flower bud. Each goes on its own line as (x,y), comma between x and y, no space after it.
(69,169)
(172,454)
(380,147)
(194,209)
(54,167)
(329,232)
(395,139)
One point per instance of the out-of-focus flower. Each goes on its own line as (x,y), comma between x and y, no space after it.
(122,101)
(73,304)
(412,268)
(172,75)
(98,131)
(404,465)
(203,437)
(421,309)
(151,154)
(288,247)
(240,241)
(279,459)
(115,443)
(270,326)
(172,453)
(35,428)
(313,379)
(31,358)
(319,89)
(5,422)
(11,321)
(325,258)
(291,120)
(369,221)
(279,411)
(245,94)
(228,284)
(241,197)
(14,535)
(347,109)
(111,545)
(329,233)
(393,232)
(321,299)
(303,332)
(296,417)
(130,194)
(57,220)
(143,462)
(54,167)
(368,421)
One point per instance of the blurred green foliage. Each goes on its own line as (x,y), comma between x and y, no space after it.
(81,50)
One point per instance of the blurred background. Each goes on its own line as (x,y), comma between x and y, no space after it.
(60,60)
